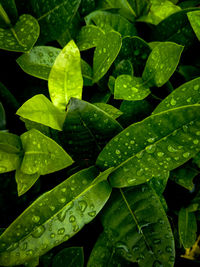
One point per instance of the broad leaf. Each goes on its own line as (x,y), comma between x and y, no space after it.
(69,257)
(54,16)
(162,63)
(22,36)
(65,79)
(168,140)
(186,94)
(105,53)
(53,218)
(187,227)
(42,154)
(128,87)
(194,18)
(40,109)
(139,229)
(111,110)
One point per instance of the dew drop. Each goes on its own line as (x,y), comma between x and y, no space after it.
(160,154)
(196,87)
(198,133)
(150,149)
(171,149)
(61,215)
(151,140)
(135,248)
(156,241)
(29,252)
(92,213)
(52,235)
(195,141)
(35,218)
(157,264)
(131,180)
(38,231)
(82,205)
(173,102)
(117,151)
(61,231)
(62,200)
(168,249)
(127,134)
(72,219)
(186,154)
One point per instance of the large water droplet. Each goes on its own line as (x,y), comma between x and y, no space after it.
(173,102)
(196,87)
(61,215)
(61,231)
(35,218)
(82,205)
(38,231)
(171,149)
(72,219)
(150,149)
(92,213)
(186,154)
(117,151)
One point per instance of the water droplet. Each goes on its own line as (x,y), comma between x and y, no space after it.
(92,213)
(157,264)
(185,128)
(121,245)
(198,133)
(127,134)
(3,169)
(140,172)
(196,87)
(151,140)
(168,249)
(84,182)
(52,235)
(156,241)
(39,146)
(82,205)
(75,228)
(29,252)
(61,231)
(35,218)
(62,200)
(72,219)
(61,215)
(132,142)
(160,154)
(150,149)
(171,149)
(173,102)
(63,189)
(189,99)
(117,151)
(195,141)
(186,154)
(131,180)
(24,246)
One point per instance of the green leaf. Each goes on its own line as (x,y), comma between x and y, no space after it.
(123,67)
(42,154)
(87,73)
(38,126)
(128,87)
(168,140)
(69,257)
(105,53)
(141,7)
(10,8)
(10,152)
(89,37)
(40,109)
(187,227)
(194,18)
(65,79)
(189,72)
(186,94)
(53,218)
(2,118)
(87,6)
(139,229)
(162,63)
(196,159)
(87,129)
(159,183)
(22,36)
(25,181)
(111,110)
(53,16)
(109,21)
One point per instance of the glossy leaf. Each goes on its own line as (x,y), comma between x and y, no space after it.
(187,227)
(186,94)
(194,18)
(42,154)
(40,109)
(139,229)
(53,15)
(108,21)
(162,63)
(105,53)
(128,87)
(53,218)
(111,110)
(2,117)
(89,37)
(22,36)
(65,79)
(168,140)
(69,257)
(86,130)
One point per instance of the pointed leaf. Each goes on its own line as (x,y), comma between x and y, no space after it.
(168,140)
(53,218)
(42,154)
(194,18)
(139,229)
(65,79)
(105,53)
(22,36)
(111,110)
(40,109)
(128,87)
(162,63)
(69,257)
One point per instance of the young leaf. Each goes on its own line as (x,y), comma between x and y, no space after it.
(69,257)
(162,63)
(128,87)
(42,154)
(40,109)
(65,79)
(105,53)
(111,110)
(53,15)
(22,36)
(194,18)
(168,140)
(187,226)
(186,94)
(53,218)
(139,229)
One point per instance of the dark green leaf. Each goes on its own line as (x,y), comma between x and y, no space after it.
(2,118)
(139,229)
(194,18)
(123,67)
(168,140)
(38,126)
(53,218)
(87,6)
(141,7)
(69,257)
(9,7)
(196,159)
(111,110)
(159,183)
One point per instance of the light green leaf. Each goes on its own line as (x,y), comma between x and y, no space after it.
(22,36)
(194,18)
(105,53)
(10,152)
(111,110)
(42,154)
(162,63)
(53,218)
(69,257)
(187,227)
(25,181)
(168,140)
(89,37)
(139,229)
(186,94)
(65,79)
(128,87)
(40,109)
